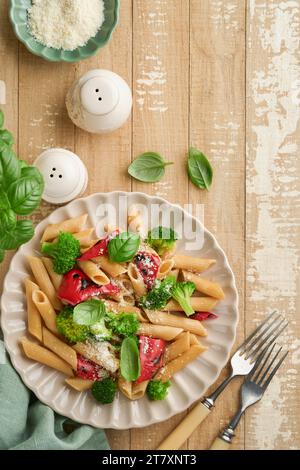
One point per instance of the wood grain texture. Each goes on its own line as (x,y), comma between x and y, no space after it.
(215,74)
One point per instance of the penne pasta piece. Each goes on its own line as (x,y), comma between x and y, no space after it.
(204,285)
(139,389)
(169,253)
(94,272)
(81,385)
(111,268)
(159,331)
(136,280)
(194,339)
(34,319)
(135,221)
(199,304)
(60,348)
(73,225)
(125,387)
(186,324)
(178,347)
(45,309)
(55,278)
(83,249)
(44,356)
(43,280)
(84,237)
(114,307)
(167,371)
(99,352)
(165,268)
(193,264)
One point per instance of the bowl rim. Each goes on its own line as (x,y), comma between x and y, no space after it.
(43,53)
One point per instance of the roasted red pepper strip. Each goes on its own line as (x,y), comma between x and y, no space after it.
(100,248)
(151,356)
(147,264)
(77,287)
(88,370)
(203,316)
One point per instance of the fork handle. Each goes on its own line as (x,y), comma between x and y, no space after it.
(187,426)
(220,444)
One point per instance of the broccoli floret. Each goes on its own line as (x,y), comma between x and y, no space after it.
(158,390)
(64,252)
(161,239)
(100,331)
(66,326)
(104,391)
(182,292)
(159,295)
(124,324)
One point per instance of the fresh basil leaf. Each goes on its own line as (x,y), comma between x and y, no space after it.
(34,173)
(8,221)
(199,169)
(89,312)
(6,137)
(4,202)
(9,167)
(123,247)
(2,255)
(148,167)
(22,164)
(25,195)
(130,364)
(1,118)
(12,239)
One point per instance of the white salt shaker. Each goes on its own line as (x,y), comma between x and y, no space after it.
(99,102)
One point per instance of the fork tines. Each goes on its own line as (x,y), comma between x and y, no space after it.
(265,368)
(264,336)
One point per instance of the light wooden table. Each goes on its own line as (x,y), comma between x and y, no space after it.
(222,75)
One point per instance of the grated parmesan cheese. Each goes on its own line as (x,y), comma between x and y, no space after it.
(65,24)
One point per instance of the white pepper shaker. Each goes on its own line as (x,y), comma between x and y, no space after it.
(99,102)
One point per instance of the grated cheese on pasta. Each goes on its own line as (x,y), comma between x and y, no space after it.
(65,24)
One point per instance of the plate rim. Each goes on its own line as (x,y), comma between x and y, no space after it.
(219,367)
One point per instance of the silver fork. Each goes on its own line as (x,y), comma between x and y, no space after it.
(252,391)
(242,362)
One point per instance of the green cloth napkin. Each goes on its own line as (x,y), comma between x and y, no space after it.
(27,424)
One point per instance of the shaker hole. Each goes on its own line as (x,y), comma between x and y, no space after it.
(53,169)
(51,176)
(60,176)
(97,90)
(100,99)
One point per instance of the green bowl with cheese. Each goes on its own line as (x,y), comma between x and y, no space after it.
(19,19)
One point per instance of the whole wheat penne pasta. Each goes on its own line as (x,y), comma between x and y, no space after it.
(139,389)
(33,316)
(94,272)
(73,225)
(159,331)
(190,263)
(135,220)
(125,387)
(199,304)
(111,268)
(60,348)
(43,280)
(81,385)
(204,285)
(167,371)
(93,242)
(44,356)
(136,280)
(114,307)
(194,339)
(165,268)
(55,278)
(177,347)
(45,309)
(187,324)
(103,357)
(84,237)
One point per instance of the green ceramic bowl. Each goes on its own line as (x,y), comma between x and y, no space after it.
(18,17)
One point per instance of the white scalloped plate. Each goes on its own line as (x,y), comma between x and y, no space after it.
(187,386)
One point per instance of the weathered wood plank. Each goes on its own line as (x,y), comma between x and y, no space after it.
(272,228)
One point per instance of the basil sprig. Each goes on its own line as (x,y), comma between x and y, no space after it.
(130,365)
(21,188)
(90,312)
(123,247)
(199,169)
(148,167)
